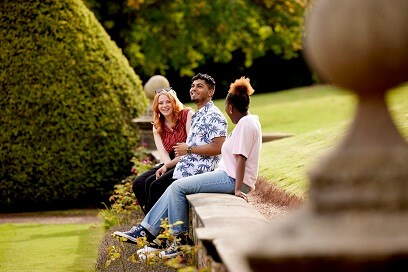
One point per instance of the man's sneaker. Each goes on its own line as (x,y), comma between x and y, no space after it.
(132,235)
(172,251)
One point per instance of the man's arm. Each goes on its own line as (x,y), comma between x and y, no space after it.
(211,149)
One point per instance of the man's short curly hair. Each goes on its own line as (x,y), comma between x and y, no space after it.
(207,78)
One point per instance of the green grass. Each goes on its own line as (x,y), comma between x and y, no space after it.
(287,161)
(53,247)
(50,247)
(319,117)
(299,110)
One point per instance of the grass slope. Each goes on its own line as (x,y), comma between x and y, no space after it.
(299,110)
(319,117)
(51,247)
(286,162)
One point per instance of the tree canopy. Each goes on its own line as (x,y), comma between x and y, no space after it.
(159,35)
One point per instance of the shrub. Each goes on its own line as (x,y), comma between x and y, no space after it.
(124,207)
(67,98)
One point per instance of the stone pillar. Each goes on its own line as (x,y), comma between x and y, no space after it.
(357,215)
(145,122)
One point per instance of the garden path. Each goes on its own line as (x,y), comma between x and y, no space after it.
(269,200)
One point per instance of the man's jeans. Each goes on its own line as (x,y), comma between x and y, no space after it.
(174,205)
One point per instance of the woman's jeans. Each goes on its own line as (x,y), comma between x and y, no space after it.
(174,205)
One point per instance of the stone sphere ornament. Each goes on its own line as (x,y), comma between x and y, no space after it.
(154,83)
(359,44)
(362,46)
(356,218)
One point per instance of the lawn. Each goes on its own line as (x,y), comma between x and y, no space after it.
(319,117)
(319,122)
(299,110)
(49,247)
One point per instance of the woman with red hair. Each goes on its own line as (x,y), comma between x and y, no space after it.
(171,123)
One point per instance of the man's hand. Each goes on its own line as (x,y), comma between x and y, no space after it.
(161,171)
(180,149)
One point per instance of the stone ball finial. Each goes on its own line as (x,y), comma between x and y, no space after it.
(361,45)
(154,83)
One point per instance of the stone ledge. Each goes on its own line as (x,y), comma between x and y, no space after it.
(267,137)
(217,219)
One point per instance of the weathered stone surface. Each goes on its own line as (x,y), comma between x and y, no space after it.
(360,45)
(309,241)
(218,219)
(356,179)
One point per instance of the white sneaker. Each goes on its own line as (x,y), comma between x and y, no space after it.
(148,249)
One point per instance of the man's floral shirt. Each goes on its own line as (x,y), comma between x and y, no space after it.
(206,124)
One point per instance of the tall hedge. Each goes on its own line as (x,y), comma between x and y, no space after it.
(67,97)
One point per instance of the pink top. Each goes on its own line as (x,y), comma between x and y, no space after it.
(178,134)
(245,139)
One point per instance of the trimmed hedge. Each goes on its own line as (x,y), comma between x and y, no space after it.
(67,98)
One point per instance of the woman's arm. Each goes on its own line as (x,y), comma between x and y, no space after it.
(164,156)
(239,176)
(166,166)
(188,121)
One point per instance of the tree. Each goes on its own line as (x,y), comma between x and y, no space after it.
(159,35)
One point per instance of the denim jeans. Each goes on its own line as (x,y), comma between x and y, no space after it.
(174,205)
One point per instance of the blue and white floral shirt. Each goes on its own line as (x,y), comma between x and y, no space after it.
(207,123)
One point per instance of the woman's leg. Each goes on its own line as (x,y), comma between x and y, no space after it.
(210,182)
(138,186)
(156,188)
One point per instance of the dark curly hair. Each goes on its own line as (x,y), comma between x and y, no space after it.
(207,78)
(239,94)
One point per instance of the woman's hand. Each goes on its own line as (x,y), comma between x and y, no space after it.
(242,195)
(161,171)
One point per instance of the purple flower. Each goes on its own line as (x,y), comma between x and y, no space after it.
(146,161)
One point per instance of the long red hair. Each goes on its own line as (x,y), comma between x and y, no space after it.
(158,119)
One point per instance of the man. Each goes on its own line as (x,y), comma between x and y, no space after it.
(201,151)
(207,133)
